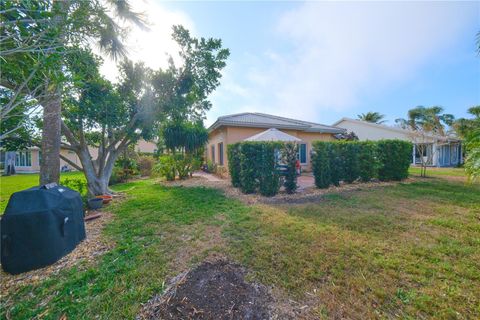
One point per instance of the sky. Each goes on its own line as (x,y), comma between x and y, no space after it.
(321,61)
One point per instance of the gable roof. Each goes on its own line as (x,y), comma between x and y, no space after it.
(395,129)
(262,120)
(273,135)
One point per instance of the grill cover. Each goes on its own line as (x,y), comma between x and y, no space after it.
(40,225)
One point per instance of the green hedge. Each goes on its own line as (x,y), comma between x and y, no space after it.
(252,167)
(348,161)
(289,158)
(233,155)
(321,164)
(367,160)
(395,157)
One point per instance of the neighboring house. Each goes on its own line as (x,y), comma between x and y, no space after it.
(28,161)
(440,151)
(240,127)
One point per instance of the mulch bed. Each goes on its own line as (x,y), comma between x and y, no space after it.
(213,290)
(302,196)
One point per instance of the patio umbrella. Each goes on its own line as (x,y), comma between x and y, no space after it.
(273,135)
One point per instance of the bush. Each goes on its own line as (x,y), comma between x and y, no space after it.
(145,165)
(211,167)
(367,160)
(166,167)
(77,184)
(233,155)
(321,164)
(248,170)
(394,157)
(268,178)
(349,159)
(335,162)
(289,158)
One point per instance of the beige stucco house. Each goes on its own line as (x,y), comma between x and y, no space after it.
(440,151)
(28,161)
(239,127)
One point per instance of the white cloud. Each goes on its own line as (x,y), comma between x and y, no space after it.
(340,52)
(151,46)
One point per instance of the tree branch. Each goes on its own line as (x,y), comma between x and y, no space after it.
(70,162)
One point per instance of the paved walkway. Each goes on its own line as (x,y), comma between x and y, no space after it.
(208,176)
(305,181)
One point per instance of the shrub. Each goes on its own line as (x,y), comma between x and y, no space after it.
(145,165)
(321,164)
(349,159)
(116,176)
(289,158)
(166,167)
(367,160)
(211,167)
(268,178)
(233,154)
(335,162)
(248,170)
(394,157)
(76,184)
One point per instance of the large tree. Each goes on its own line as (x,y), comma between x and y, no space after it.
(425,123)
(373,117)
(36,34)
(111,118)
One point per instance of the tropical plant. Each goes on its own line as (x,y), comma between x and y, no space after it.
(424,123)
(184,136)
(35,37)
(374,117)
(136,107)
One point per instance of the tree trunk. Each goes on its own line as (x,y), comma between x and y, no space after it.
(51,136)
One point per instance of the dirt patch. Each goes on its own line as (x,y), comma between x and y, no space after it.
(88,250)
(213,290)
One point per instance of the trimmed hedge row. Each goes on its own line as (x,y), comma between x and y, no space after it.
(348,161)
(253,167)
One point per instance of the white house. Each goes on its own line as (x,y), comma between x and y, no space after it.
(440,151)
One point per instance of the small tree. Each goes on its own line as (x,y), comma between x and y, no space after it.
(425,124)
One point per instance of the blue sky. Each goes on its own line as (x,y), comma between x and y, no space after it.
(320,61)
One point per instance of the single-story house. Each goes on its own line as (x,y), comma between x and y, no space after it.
(439,151)
(28,161)
(245,126)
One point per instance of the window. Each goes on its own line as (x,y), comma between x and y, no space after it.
(220,153)
(213,153)
(302,153)
(23,159)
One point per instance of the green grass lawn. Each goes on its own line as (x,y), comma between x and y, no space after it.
(11,184)
(432,172)
(406,251)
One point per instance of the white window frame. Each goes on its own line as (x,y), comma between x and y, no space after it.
(23,159)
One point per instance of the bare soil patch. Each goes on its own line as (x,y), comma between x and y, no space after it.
(213,290)
(88,250)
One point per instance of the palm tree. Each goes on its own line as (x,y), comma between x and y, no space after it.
(424,122)
(373,117)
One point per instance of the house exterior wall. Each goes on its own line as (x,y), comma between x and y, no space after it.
(142,146)
(145,146)
(229,135)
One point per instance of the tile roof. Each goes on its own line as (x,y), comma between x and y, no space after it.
(262,120)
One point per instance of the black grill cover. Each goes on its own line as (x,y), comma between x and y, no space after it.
(39,227)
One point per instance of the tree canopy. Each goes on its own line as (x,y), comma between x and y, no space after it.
(374,117)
